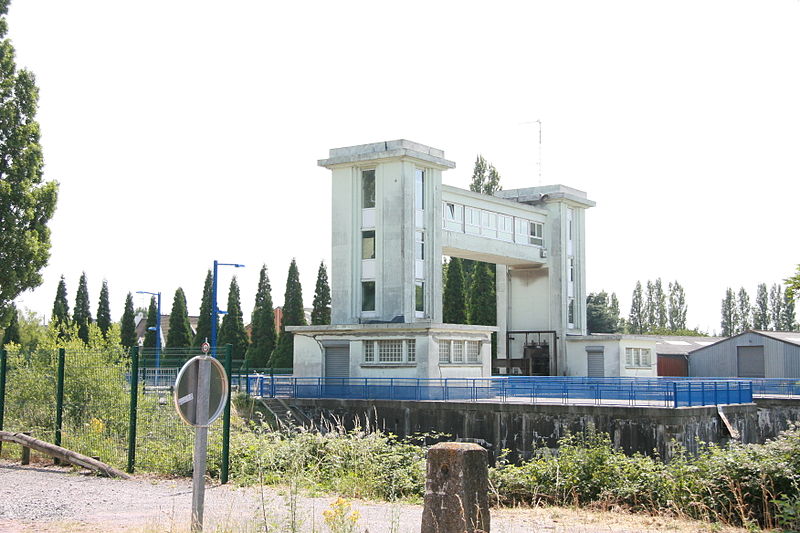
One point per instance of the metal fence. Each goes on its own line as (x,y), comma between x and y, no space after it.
(597,391)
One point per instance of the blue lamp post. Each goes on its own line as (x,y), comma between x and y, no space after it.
(157,329)
(214,309)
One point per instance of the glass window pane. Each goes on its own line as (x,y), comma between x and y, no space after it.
(367,295)
(367,245)
(419,189)
(420,295)
(367,189)
(420,246)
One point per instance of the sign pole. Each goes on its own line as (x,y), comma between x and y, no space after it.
(200,445)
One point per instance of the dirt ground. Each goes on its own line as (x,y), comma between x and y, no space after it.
(45,498)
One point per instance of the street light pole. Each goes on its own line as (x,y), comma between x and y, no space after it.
(214,308)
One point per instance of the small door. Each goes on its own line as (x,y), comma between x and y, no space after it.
(337,361)
(750,360)
(596,362)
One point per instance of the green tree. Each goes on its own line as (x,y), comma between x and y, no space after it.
(636,318)
(788,322)
(600,317)
(262,333)
(83,314)
(650,308)
(776,307)
(26,202)
(232,331)
(729,314)
(613,308)
(482,305)
(321,308)
(454,303)
(60,316)
(677,307)
(128,325)
(150,324)
(104,311)
(12,333)
(203,332)
(180,331)
(478,174)
(293,315)
(743,311)
(793,284)
(660,301)
(761,308)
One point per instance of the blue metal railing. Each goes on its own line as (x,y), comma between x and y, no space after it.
(644,392)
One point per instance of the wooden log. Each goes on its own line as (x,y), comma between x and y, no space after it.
(68,456)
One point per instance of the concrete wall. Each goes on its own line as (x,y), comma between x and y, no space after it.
(522,428)
(614,355)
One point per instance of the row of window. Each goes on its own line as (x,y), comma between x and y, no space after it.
(637,358)
(390,351)
(460,352)
(463,219)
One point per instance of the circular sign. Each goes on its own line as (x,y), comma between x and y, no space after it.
(186,393)
(205,347)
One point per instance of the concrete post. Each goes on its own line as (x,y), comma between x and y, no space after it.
(456,490)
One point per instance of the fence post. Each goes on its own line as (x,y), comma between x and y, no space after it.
(134,403)
(3,368)
(226,419)
(675,393)
(59,397)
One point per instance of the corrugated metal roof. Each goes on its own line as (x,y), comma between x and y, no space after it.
(792,337)
(680,345)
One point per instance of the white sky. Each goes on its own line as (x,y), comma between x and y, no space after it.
(183,132)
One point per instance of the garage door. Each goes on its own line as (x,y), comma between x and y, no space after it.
(337,361)
(751,361)
(596,361)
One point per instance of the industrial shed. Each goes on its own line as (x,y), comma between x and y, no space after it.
(672,353)
(753,354)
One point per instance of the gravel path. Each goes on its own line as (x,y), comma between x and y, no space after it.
(41,498)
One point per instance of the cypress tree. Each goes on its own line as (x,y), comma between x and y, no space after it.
(11,334)
(454,305)
(180,332)
(776,307)
(613,308)
(788,315)
(232,330)
(203,333)
(478,174)
(104,311)
(729,314)
(321,309)
(293,315)
(636,319)
(743,311)
(61,310)
(677,307)
(82,315)
(150,334)
(660,300)
(262,332)
(761,308)
(483,301)
(128,325)
(650,309)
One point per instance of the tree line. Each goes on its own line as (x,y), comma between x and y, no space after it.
(772,310)
(264,346)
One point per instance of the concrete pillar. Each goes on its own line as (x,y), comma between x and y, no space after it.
(456,489)
(501,275)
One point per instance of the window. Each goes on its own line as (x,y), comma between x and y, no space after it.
(368,244)
(453,351)
(369,351)
(420,246)
(390,351)
(453,217)
(473,351)
(473,223)
(457,352)
(523,235)
(367,295)
(411,351)
(536,234)
(489,224)
(571,313)
(419,296)
(444,351)
(419,189)
(367,189)
(505,228)
(637,357)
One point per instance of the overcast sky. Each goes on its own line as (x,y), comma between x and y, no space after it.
(182,132)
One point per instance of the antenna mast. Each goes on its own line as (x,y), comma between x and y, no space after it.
(539,122)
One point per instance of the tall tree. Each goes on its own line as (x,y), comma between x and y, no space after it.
(636,318)
(776,307)
(454,303)
(600,316)
(321,309)
(485,178)
(203,332)
(650,308)
(613,308)
(180,331)
(128,325)
(150,324)
(104,311)
(293,315)
(232,331)
(743,311)
(729,314)
(793,284)
(788,320)
(660,301)
(11,333)
(482,305)
(262,333)
(27,203)
(761,308)
(61,310)
(83,314)
(677,307)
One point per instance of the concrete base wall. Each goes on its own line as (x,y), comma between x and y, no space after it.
(522,428)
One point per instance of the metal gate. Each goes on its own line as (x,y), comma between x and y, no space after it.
(337,361)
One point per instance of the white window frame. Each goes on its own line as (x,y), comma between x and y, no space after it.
(374,355)
(635,357)
(460,352)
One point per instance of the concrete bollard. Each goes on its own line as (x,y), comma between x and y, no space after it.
(456,489)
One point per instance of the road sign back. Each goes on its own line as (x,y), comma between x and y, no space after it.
(186,390)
